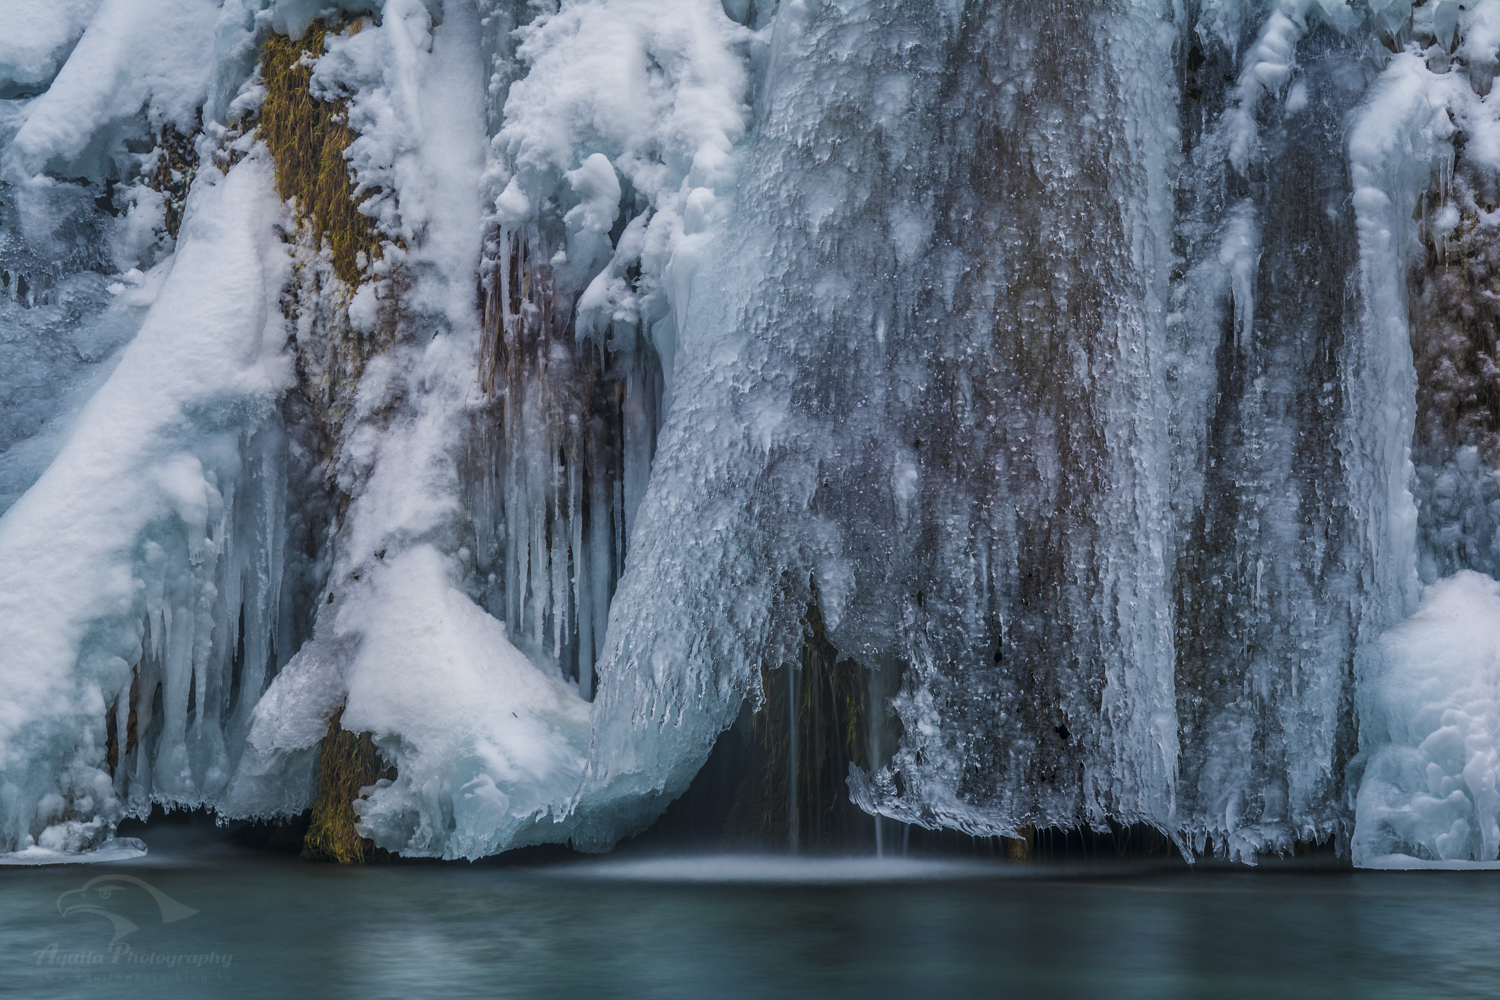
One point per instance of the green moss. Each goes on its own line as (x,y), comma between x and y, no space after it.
(307,138)
(349,762)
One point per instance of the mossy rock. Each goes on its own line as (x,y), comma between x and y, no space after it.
(348,763)
(307,138)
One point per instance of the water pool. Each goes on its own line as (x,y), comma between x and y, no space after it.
(199,917)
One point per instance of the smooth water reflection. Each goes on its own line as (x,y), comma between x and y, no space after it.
(270,926)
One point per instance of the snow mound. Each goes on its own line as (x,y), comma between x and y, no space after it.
(1431,723)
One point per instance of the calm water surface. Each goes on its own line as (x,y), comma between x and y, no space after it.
(229,922)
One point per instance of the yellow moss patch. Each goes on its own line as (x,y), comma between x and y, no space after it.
(349,762)
(307,138)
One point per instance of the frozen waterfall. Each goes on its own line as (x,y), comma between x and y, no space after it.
(526,385)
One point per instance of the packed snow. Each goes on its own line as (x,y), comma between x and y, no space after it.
(1430,718)
(147,489)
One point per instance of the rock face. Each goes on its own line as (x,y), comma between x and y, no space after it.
(1456,350)
(453,416)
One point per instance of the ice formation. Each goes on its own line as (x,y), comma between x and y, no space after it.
(1430,790)
(1124,375)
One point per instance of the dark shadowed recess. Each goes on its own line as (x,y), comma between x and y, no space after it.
(776,783)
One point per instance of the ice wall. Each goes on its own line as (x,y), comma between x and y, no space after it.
(862,436)
(1134,473)
(1121,373)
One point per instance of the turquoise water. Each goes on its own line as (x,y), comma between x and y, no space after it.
(266,925)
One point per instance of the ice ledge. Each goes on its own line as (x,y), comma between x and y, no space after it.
(1405,862)
(115,849)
